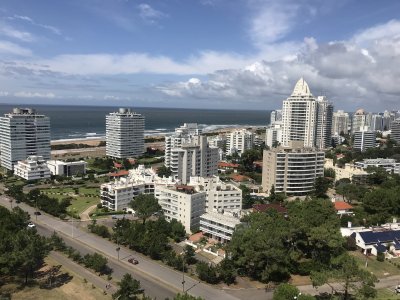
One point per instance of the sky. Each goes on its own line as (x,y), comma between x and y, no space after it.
(217,54)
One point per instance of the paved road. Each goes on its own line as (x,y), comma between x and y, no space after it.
(158,276)
(151,288)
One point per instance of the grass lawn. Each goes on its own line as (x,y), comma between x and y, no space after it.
(386,294)
(380,269)
(74,289)
(86,197)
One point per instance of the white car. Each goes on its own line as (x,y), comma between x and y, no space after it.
(31,225)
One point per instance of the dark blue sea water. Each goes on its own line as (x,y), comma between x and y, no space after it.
(73,122)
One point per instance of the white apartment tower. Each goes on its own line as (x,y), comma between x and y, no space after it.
(360,120)
(299,116)
(23,133)
(293,169)
(239,141)
(276,116)
(194,158)
(273,135)
(124,134)
(340,123)
(306,118)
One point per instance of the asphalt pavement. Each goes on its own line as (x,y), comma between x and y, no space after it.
(157,280)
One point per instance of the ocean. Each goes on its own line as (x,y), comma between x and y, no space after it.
(77,122)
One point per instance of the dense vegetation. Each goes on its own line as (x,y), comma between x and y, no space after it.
(22,250)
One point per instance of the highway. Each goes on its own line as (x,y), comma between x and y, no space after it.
(157,280)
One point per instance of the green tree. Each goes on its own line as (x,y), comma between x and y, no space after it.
(145,205)
(321,186)
(226,271)
(345,270)
(206,273)
(129,288)
(97,262)
(164,171)
(285,291)
(190,255)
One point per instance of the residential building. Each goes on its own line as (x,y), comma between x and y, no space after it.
(378,240)
(195,158)
(323,126)
(293,169)
(389,164)
(343,208)
(23,133)
(219,142)
(220,196)
(377,122)
(124,134)
(340,122)
(64,168)
(350,171)
(188,129)
(182,203)
(395,131)
(276,116)
(273,135)
(239,141)
(360,120)
(306,118)
(219,226)
(117,194)
(364,139)
(32,168)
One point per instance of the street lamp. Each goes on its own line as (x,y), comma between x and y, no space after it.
(183,272)
(72,221)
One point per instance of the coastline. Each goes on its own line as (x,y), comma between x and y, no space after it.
(95,140)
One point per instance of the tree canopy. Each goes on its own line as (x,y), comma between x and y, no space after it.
(145,205)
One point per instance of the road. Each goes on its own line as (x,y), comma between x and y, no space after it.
(156,279)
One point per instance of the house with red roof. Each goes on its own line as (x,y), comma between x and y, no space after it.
(343,208)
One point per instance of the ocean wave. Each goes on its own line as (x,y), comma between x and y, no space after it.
(161,129)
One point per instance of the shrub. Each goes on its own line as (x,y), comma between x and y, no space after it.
(380,257)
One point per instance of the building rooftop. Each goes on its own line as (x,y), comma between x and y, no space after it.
(232,219)
(377,237)
(341,205)
(301,88)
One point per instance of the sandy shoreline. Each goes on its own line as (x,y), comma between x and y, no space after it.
(95,141)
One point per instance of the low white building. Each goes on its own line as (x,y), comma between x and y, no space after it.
(219,226)
(33,168)
(389,164)
(118,194)
(219,195)
(64,168)
(182,203)
(350,171)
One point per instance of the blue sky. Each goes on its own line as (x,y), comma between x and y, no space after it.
(206,53)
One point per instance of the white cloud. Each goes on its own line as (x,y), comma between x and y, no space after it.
(272,21)
(13,49)
(53,29)
(10,31)
(24,94)
(149,14)
(4,94)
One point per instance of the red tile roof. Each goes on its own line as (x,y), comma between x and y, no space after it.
(240,178)
(119,174)
(223,164)
(264,207)
(340,205)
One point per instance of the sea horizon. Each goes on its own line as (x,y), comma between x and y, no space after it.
(80,122)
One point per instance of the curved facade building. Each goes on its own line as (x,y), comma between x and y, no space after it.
(292,170)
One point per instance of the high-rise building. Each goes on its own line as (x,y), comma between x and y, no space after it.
(377,122)
(364,139)
(23,133)
(323,126)
(124,134)
(276,116)
(395,131)
(273,135)
(194,158)
(306,119)
(340,123)
(359,120)
(293,169)
(239,141)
